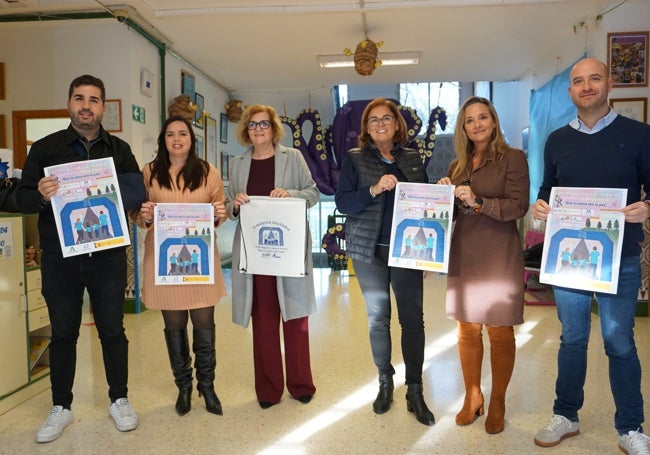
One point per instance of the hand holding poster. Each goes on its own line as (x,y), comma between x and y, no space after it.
(584,238)
(421,231)
(88,207)
(184,243)
(274,236)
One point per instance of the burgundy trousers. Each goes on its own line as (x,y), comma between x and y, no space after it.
(267,351)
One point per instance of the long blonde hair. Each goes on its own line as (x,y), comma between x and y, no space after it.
(464,147)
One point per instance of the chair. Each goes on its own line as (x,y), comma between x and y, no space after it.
(540,295)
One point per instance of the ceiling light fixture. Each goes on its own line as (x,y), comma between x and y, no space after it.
(387,59)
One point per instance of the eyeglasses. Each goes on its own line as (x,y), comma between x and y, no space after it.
(264,124)
(386,120)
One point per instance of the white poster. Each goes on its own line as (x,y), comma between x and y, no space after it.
(274,236)
(184,243)
(584,238)
(88,207)
(420,236)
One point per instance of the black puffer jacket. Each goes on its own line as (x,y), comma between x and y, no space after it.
(361,169)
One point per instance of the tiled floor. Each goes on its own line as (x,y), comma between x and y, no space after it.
(339,420)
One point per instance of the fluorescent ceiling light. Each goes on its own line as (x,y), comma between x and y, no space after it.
(387,59)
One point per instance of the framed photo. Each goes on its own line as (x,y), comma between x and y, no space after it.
(112,121)
(198,114)
(225,167)
(146,83)
(188,84)
(200,147)
(634,108)
(211,140)
(223,131)
(627,57)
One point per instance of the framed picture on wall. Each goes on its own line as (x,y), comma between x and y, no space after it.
(627,57)
(198,114)
(634,108)
(223,131)
(211,140)
(200,147)
(112,121)
(187,84)
(225,170)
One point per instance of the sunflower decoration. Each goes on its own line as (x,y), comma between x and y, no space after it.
(365,56)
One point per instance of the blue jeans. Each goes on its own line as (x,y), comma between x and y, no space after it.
(63,281)
(616,313)
(375,280)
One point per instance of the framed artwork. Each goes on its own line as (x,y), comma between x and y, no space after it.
(627,57)
(188,84)
(200,147)
(112,121)
(225,167)
(211,140)
(634,108)
(223,131)
(198,114)
(3,93)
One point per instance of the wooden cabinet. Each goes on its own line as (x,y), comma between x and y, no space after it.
(24,321)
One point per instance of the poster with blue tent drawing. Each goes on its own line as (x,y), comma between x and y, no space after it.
(421,229)
(88,207)
(184,243)
(584,238)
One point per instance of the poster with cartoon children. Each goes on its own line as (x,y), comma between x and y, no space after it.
(184,243)
(421,229)
(88,207)
(584,238)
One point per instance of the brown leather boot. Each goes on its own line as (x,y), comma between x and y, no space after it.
(502,359)
(470,349)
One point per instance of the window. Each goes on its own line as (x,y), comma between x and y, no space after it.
(317,216)
(425,96)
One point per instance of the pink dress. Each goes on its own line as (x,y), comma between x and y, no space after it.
(182,297)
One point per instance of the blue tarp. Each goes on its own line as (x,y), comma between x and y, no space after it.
(550,109)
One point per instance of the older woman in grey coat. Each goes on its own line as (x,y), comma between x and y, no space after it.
(269,169)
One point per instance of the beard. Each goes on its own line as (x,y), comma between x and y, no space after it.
(83,124)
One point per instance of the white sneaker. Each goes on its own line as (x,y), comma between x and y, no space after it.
(558,428)
(123,415)
(57,421)
(634,443)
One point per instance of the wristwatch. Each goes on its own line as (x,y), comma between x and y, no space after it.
(478,203)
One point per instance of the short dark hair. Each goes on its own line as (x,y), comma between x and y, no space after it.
(87,79)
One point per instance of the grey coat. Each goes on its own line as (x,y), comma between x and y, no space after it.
(296,295)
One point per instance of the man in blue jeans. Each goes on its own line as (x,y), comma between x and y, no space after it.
(102,274)
(599,149)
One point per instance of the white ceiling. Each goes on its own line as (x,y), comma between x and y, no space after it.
(271,45)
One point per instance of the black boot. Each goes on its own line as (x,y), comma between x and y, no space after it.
(179,357)
(385,394)
(415,403)
(205,362)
